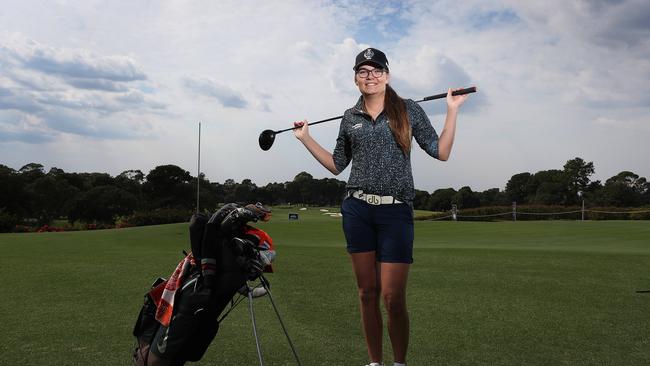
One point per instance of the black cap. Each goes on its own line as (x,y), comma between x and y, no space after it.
(371,56)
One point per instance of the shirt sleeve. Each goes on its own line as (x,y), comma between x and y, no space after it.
(423,132)
(343,151)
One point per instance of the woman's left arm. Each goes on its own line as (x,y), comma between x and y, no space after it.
(448,133)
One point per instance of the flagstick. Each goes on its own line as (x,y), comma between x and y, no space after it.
(198,173)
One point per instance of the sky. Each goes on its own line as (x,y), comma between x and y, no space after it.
(110,86)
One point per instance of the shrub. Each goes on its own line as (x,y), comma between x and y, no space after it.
(8,222)
(22,229)
(98,226)
(49,229)
(156,217)
(617,213)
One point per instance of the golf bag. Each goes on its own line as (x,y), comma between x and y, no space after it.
(180,315)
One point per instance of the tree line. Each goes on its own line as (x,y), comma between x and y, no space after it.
(32,194)
(567,187)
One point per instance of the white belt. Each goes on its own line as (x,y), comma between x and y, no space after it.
(374,199)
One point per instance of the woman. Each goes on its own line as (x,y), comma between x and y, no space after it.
(375,135)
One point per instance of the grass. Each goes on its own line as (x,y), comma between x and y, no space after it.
(524,293)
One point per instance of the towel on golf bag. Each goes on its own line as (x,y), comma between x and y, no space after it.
(164,294)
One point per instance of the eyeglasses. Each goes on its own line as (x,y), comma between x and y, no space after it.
(363,73)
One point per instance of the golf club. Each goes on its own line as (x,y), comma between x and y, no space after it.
(267,137)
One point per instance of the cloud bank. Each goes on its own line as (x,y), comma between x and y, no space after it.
(556,79)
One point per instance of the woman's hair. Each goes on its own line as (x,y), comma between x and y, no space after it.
(395,109)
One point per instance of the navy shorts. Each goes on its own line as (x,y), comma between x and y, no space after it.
(385,229)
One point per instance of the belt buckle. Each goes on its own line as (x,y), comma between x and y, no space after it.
(373,199)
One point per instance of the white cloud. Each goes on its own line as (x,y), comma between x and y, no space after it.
(72,63)
(556,80)
(69,90)
(222,93)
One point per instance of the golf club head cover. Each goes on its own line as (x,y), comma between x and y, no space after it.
(255,268)
(231,224)
(211,244)
(237,219)
(197,229)
(248,257)
(261,212)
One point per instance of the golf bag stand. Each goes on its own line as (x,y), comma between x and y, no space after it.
(249,293)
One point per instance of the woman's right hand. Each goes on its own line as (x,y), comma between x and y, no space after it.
(303,131)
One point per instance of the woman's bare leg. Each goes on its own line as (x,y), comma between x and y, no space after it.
(366,270)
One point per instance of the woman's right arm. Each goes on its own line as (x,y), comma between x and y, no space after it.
(323,156)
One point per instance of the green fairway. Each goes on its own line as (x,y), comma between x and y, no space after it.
(502,293)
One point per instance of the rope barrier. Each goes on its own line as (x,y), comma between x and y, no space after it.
(618,212)
(439,218)
(547,213)
(498,214)
(535,213)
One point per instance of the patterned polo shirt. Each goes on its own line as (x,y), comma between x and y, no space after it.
(378,164)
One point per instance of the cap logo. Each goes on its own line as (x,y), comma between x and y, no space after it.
(368,54)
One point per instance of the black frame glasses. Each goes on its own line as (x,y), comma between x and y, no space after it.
(364,73)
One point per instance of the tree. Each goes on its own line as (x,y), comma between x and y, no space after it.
(132,175)
(593,193)
(13,198)
(577,173)
(625,189)
(169,186)
(131,181)
(101,204)
(301,189)
(229,190)
(245,192)
(441,199)
(493,197)
(328,191)
(273,193)
(92,180)
(465,198)
(31,172)
(549,187)
(48,196)
(421,200)
(210,194)
(518,188)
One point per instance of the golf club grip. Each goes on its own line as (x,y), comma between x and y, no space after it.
(443,95)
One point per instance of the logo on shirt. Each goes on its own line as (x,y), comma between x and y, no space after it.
(358,125)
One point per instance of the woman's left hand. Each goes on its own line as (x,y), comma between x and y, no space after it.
(455,101)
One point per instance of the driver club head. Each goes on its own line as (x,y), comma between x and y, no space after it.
(267,137)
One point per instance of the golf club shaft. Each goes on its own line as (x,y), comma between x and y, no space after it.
(444,95)
(425,99)
(311,124)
